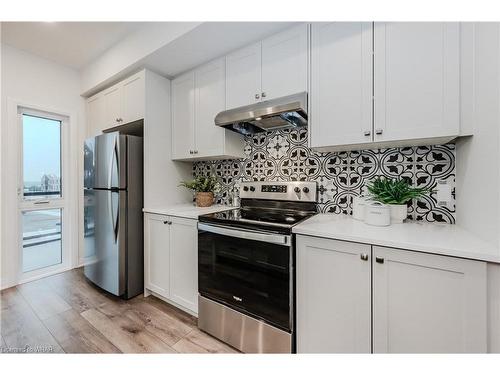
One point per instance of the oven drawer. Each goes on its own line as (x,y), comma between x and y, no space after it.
(247,273)
(245,333)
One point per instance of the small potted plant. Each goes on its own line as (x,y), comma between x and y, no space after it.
(395,193)
(204,188)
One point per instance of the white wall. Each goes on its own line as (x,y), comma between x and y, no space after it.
(478,157)
(110,66)
(34,81)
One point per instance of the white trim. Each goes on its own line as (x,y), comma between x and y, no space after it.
(38,277)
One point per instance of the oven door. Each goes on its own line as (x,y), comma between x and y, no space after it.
(248,270)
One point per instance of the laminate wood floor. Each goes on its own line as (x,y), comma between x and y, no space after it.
(65,313)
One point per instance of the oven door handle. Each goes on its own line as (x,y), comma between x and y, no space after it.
(277,239)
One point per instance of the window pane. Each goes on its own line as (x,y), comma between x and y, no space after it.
(41,157)
(42,245)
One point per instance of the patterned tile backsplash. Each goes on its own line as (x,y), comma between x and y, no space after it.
(283,155)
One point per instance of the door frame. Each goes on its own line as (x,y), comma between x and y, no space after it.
(11,243)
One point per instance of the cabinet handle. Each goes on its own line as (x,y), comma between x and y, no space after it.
(165,222)
(191,152)
(364,257)
(195,151)
(264,94)
(257,96)
(379,260)
(367,133)
(117,119)
(379,131)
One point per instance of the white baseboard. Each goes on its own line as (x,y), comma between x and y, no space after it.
(10,284)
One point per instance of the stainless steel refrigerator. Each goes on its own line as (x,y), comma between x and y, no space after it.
(113,219)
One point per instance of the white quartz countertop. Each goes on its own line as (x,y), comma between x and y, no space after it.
(443,239)
(187,210)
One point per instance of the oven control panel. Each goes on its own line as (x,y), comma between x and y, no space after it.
(304,191)
(273,188)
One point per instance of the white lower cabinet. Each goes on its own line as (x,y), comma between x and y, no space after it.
(157,254)
(410,302)
(171,260)
(333,296)
(424,303)
(184,263)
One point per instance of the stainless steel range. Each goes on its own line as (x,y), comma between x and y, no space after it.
(246,270)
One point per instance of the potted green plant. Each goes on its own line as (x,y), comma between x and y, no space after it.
(395,193)
(204,188)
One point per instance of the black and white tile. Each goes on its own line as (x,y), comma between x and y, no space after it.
(283,155)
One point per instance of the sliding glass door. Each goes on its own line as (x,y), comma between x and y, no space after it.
(42,193)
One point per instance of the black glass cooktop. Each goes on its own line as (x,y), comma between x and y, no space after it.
(273,219)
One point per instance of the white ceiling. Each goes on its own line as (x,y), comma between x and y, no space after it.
(73,44)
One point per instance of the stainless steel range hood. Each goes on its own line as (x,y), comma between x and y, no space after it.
(285,112)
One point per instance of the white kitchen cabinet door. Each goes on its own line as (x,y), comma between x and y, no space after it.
(243,76)
(210,99)
(157,254)
(424,303)
(95,115)
(416,80)
(341,84)
(113,113)
(284,63)
(134,99)
(184,262)
(183,116)
(333,296)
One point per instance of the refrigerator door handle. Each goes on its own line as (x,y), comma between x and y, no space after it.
(112,162)
(113,216)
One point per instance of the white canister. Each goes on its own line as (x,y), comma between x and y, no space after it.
(399,212)
(378,214)
(358,207)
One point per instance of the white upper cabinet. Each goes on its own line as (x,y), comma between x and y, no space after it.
(416,67)
(275,67)
(183,116)
(284,63)
(384,84)
(197,97)
(333,296)
(424,303)
(120,104)
(95,115)
(113,106)
(133,91)
(341,84)
(210,99)
(243,76)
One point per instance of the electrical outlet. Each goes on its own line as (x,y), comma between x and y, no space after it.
(443,193)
